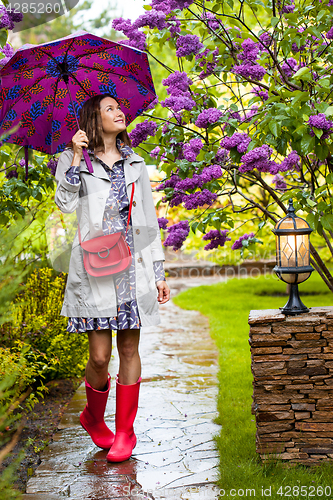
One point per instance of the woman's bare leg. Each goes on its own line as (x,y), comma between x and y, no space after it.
(100,348)
(128,349)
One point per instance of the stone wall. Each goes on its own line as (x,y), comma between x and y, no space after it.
(292,366)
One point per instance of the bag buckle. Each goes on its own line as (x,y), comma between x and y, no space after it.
(103,250)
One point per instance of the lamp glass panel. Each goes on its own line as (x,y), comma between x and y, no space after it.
(286,224)
(294,278)
(288,250)
(303,250)
(300,223)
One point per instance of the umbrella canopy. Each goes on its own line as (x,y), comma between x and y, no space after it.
(43,87)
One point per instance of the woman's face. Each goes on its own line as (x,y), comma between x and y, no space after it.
(113,119)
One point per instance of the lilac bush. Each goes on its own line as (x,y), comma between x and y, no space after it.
(245,119)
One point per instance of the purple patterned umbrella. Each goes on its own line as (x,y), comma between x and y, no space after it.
(43,87)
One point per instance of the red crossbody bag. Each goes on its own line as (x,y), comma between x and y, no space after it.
(109,254)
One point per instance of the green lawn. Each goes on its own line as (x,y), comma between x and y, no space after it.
(227,305)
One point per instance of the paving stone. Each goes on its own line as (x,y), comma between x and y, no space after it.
(174,424)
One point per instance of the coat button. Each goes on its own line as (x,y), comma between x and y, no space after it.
(137,231)
(140,259)
(134,203)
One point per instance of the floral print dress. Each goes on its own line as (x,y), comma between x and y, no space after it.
(114,220)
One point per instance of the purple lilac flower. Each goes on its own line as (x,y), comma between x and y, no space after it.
(4,20)
(211,172)
(279,182)
(188,45)
(155,152)
(329,34)
(177,82)
(178,103)
(135,37)
(189,183)
(258,158)
(247,70)
(169,182)
(238,140)
(12,173)
(289,67)
(52,165)
(290,162)
(162,222)
(8,52)
(320,121)
(168,6)
(260,93)
(207,117)
(142,131)
(176,200)
(212,21)
(266,40)
(174,26)
(152,19)
(177,234)
(250,51)
(9,18)
(210,65)
(192,149)
(221,156)
(330,3)
(286,6)
(218,238)
(199,199)
(238,243)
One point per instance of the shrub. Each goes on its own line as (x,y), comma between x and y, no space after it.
(36,320)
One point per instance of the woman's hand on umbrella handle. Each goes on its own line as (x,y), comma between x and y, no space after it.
(79,141)
(163,291)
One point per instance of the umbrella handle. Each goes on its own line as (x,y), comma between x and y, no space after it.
(85,154)
(87,159)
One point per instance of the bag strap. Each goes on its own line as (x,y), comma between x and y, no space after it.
(128,219)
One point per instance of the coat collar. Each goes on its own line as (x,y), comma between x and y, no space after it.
(132,168)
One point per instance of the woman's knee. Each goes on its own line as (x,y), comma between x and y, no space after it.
(99,361)
(128,346)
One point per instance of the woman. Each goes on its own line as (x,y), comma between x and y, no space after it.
(122,302)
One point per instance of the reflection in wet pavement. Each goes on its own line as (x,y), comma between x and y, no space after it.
(175,457)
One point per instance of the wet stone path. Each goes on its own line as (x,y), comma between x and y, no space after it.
(175,457)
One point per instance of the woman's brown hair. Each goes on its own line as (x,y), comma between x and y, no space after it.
(91,122)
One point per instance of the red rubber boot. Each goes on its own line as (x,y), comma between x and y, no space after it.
(92,417)
(127,399)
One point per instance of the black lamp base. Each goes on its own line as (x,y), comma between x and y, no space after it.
(294,305)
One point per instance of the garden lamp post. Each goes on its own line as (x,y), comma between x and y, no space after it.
(293,257)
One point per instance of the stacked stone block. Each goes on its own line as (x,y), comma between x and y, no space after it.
(292,366)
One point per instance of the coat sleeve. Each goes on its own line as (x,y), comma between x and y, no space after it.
(151,218)
(67,194)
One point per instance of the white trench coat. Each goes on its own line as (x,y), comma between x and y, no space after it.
(85,295)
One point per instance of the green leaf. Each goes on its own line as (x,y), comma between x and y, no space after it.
(310,202)
(3,37)
(329,178)
(327,222)
(318,132)
(307,143)
(329,111)
(321,14)
(275,128)
(312,220)
(274,21)
(301,73)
